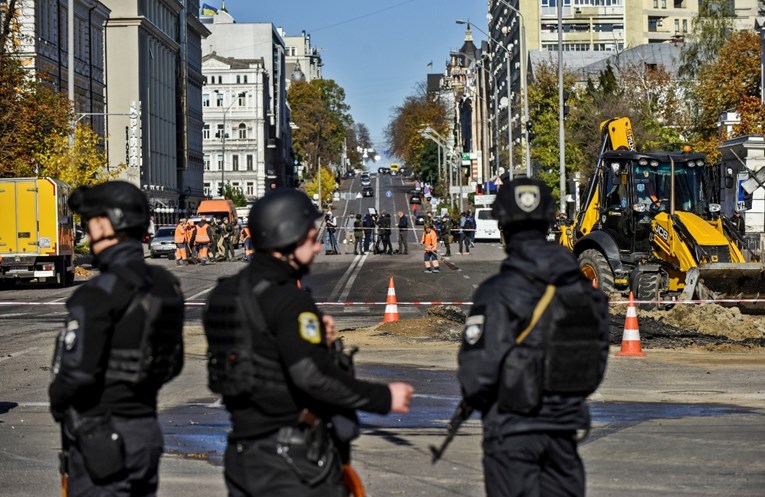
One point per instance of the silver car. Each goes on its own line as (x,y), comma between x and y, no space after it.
(163,243)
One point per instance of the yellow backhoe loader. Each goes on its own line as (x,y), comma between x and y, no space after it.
(648,224)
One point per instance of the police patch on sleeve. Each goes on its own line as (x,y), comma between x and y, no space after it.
(473,329)
(70,334)
(310,329)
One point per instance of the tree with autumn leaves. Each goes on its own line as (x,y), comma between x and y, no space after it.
(36,122)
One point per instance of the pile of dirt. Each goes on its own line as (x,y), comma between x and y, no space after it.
(709,327)
(82,272)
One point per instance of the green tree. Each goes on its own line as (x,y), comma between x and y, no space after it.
(710,30)
(236,195)
(327,186)
(403,131)
(84,163)
(322,116)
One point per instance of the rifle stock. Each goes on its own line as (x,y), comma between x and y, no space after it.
(461,414)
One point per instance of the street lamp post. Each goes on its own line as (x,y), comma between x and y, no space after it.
(524,84)
(223,141)
(509,96)
(496,111)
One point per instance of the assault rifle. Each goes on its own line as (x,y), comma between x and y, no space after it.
(461,414)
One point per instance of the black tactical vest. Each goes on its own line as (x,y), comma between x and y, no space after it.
(562,351)
(235,328)
(156,356)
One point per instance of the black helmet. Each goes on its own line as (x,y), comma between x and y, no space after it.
(281,218)
(122,202)
(524,203)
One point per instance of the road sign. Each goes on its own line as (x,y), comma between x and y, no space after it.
(388,194)
(433,202)
(754,181)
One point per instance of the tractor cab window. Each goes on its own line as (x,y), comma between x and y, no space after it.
(616,188)
(653,186)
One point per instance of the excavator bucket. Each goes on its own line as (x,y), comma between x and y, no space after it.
(732,284)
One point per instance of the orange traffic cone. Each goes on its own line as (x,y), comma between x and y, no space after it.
(391,308)
(631,337)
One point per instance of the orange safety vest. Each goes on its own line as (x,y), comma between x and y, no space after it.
(180,234)
(430,241)
(201,236)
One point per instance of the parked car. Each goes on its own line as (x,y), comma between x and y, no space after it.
(367,191)
(486,227)
(163,243)
(419,219)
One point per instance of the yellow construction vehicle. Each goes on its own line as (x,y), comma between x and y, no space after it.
(36,231)
(648,224)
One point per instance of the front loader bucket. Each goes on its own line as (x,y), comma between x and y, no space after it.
(730,283)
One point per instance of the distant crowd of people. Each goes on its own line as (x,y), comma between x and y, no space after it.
(208,242)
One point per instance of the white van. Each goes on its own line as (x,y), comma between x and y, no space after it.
(486,227)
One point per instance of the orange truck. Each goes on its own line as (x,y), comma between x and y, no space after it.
(36,232)
(221,209)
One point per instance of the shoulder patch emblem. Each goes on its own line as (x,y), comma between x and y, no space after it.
(473,329)
(70,334)
(527,197)
(310,330)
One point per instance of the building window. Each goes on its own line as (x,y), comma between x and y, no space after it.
(206,132)
(205,100)
(245,79)
(685,25)
(220,80)
(220,163)
(249,162)
(238,79)
(219,133)
(242,131)
(250,187)
(207,189)
(207,163)
(219,99)
(242,100)
(204,80)
(235,162)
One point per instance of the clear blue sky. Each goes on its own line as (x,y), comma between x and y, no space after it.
(377,50)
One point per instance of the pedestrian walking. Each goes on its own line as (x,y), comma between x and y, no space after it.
(358,235)
(464,242)
(181,257)
(290,392)
(470,226)
(227,237)
(534,346)
(446,234)
(201,241)
(403,232)
(430,245)
(122,341)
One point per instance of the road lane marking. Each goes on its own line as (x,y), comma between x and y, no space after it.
(13,314)
(339,284)
(200,294)
(352,279)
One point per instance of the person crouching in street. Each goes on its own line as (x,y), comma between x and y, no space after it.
(123,340)
(534,346)
(430,244)
(273,358)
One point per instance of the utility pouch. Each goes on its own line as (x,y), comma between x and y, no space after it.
(101,445)
(520,390)
(308,452)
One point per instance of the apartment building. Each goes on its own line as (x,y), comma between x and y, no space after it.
(249,59)
(302,60)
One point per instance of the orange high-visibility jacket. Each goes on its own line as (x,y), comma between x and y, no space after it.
(202,235)
(180,233)
(430,241)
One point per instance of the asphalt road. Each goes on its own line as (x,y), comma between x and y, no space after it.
(680,423)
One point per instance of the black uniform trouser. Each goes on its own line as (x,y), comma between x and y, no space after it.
(143,448)
(253,468)
(540,464)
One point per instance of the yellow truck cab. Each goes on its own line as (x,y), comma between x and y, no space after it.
(37,231)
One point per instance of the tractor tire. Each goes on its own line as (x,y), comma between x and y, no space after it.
(595,267)
(648,286)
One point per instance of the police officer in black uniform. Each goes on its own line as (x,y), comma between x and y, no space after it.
(519,361)
(122,341)
(271,359)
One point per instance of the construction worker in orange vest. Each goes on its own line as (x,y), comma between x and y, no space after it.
(430,243)
(181,257)
(202,237)
(190,230)
(247,240)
